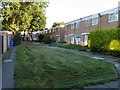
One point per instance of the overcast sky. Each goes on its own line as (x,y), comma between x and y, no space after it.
(68,10)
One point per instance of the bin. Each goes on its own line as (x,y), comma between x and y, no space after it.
(11,42)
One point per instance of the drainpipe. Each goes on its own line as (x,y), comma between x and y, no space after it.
(100,17)
(119,14)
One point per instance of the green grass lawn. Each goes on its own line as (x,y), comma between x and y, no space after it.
(39,67)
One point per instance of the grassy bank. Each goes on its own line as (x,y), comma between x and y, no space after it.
(39,67)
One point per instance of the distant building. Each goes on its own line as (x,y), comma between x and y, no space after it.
(56,33)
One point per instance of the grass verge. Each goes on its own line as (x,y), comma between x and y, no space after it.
(39,67)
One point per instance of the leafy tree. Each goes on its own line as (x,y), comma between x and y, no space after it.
(23,16)
(57,24)
(10,14)
(38,21)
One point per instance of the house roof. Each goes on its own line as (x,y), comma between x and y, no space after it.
(93,16)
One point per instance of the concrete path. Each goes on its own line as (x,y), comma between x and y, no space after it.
(8,70)
(114,85)
(0,74)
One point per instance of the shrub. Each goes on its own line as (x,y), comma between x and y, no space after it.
(40,37)
(47,40)
(73,46)
(105,41)
(17,38)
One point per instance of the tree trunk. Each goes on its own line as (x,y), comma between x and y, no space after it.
(30,33)
(13,32)
(24,36)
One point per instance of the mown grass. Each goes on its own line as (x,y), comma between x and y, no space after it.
(40,67)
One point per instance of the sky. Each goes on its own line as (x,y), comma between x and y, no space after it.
(69,10)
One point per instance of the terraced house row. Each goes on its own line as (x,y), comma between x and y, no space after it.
(77,31)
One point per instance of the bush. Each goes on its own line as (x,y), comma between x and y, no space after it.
(40,37)
(105,41)
(73,46)
(17,38)
(47,40)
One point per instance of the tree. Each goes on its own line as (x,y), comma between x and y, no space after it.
(23,16)
(57,24)
(10,14)
(38,21)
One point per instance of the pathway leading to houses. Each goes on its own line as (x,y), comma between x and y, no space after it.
(0,74)
(8,69)
(111,59)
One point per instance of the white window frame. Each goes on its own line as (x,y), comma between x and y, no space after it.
(53,30)
(95,21)
(72,26)
(65,27)
(78,25)
(113,17)
(49,31)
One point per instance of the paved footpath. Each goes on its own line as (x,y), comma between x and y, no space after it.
(0,74)
(114,85)
(8,70)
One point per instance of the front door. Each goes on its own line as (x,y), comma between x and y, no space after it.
(86,40)
(72,40)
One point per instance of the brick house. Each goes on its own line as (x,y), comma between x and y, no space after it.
(119,14)
(76,32)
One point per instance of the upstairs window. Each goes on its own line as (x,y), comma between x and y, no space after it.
(94,21)
(72,26)
(113,17)
(49,31)
(78,25)
(53,30)
(66,27)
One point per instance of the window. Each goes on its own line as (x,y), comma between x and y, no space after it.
(78,25)
(57,29)
(94,21)
(65,27)
(72,26)
(66,38)
(113,17)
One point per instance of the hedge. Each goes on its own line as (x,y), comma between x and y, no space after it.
(105,41)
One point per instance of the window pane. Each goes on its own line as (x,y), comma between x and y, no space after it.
(113,17)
